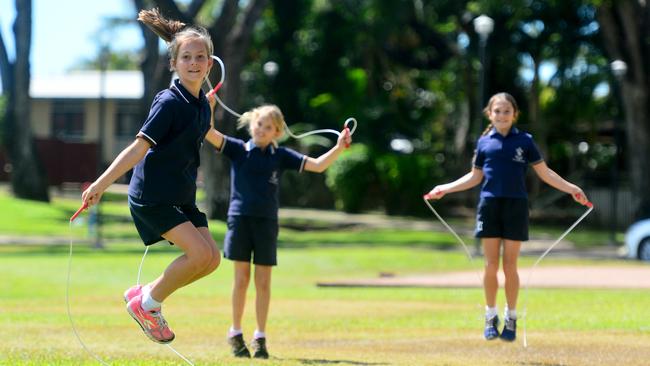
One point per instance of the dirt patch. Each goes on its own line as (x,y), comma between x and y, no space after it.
(606,277)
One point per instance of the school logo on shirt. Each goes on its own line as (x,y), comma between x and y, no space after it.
(519,155)
(274,178)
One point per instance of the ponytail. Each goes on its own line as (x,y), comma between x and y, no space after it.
(163,27)
(174,32)
(487,129)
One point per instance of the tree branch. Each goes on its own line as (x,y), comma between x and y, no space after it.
(5,67)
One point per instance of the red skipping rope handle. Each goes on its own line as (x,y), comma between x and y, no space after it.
(215,90)
(83,207)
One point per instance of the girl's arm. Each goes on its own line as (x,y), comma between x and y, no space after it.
(551,178)
(321,163)
(467,181)
(124,162)
(213,136)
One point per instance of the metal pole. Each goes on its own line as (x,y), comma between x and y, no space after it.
(103,65)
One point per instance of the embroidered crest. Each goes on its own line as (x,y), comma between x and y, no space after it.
(274,178)
(519,155)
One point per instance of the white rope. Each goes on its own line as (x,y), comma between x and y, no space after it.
(67,304)
(465,247)
(146,250)
(347,123)
(530,274)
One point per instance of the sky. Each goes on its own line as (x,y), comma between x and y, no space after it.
(65,32)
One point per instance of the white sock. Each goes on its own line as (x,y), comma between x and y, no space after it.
(259,334)
(491,312)
(510,313)
(146,289)
(148,302)
(234,332)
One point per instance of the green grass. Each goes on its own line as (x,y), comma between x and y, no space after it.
(23,217)
(308,325)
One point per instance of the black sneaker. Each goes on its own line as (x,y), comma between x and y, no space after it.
(238,346)
(491,325)
(259,348)
(509,333)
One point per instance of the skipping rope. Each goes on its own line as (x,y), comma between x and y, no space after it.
(349,123)
(590,208)
(67,298)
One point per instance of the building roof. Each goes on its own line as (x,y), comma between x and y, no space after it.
(86,85)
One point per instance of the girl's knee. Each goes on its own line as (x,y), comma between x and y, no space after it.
(510,269)
(214,261)
(241,280)
(491,267)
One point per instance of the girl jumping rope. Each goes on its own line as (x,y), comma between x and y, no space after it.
(165,159)
(256,166)
(502,156)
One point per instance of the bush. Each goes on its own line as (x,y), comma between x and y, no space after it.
(404,179)
(350,178)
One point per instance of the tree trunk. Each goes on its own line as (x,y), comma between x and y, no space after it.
(625,28)
(28,178)
(231,34)
(231,47)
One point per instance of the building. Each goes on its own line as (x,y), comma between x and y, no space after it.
(70,128)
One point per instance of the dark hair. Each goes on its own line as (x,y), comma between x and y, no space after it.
(504,96)
(173,32)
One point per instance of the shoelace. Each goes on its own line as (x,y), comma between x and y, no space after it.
(157,315)
(510,324)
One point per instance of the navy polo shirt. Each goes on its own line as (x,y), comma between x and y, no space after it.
(504,161)
(175,128)
(255,176)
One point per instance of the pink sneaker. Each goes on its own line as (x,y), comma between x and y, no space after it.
(152,322)
(132,292)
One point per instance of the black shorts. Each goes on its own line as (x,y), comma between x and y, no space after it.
(250,236)
(153,220)
(499,217)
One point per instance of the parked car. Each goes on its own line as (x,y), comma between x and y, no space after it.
(637,240)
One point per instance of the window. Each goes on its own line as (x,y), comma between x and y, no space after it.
(127,119)
(68,120)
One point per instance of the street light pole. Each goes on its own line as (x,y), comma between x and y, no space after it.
(104,54)
(619,69)
(483,26)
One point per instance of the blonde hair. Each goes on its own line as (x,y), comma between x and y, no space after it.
(268,109)
(174,32)
(499,96)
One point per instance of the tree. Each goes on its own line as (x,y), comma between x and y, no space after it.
(28,178)
(231,33)
(625,27)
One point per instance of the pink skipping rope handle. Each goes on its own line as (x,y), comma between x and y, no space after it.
(83,207)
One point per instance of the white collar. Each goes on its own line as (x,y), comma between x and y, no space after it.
(250,145)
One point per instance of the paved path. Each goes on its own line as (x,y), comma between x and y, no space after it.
(632,276)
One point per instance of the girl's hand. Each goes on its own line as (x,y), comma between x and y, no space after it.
(91,195)
(212,100)
(435,194)
(345,139)
(580,196)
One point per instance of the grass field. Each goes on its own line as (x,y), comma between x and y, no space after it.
(308,325)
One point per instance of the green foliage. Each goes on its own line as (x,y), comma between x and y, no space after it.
(404,179)
(351,177)
(3,108)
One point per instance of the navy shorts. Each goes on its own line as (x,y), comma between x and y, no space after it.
(250,236)
(153,220)
(501,217)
